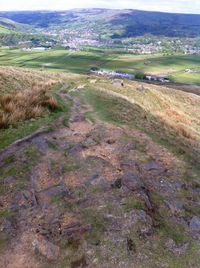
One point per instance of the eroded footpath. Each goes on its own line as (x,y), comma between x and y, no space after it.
(94,194)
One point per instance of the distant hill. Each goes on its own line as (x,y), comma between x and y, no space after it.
(113,23)
(9,24)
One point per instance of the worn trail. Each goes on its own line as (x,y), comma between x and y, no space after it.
(94,195)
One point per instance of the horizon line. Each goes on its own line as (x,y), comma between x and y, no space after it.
(98,8)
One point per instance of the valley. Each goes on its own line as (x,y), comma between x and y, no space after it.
(99,139)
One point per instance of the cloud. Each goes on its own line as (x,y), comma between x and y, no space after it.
(183,6)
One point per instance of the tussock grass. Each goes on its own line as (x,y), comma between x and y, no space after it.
(26,104)
(26,94)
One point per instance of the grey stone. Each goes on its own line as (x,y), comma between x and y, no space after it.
(89,143)
(129,165)
(23,199)
(75,149)
(175,207)
(101,181)
(41,144)
(59,190)
(78,118)
(176,250)
(152,165)
(132,182)
(195,224)
(46,248)
(8,227)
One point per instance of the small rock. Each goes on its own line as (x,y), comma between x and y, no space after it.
(46,248)
(129,165)
(145,231)
(23,199)
(78,118)
(101,181)
(110,141)
(117,183)
(152,165)
(89,143)
(177,250)
(40,143)
(141,88)
(75,149)
(59,190)
(132,182)
(130,245)
(175,207)
(8,227)
(195,224)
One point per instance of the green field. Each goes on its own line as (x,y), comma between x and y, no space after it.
(82,61)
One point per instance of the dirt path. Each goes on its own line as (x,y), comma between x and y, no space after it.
(94,195)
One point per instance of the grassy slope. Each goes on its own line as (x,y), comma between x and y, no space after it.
(13,79)
(171,117)
(82,61)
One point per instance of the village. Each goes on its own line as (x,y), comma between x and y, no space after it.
(162,78)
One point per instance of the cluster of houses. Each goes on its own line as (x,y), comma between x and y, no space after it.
(117,74)
(113,74)
(158,78)
(36,49)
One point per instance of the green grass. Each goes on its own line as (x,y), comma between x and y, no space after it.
(81,62)
(119,111)
(4,30)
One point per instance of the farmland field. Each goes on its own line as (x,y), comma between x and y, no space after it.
(82,61)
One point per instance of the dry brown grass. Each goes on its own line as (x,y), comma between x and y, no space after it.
(25,93)
(26,104)
(171,115)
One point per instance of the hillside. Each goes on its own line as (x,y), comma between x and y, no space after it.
(112,23)
(108,179)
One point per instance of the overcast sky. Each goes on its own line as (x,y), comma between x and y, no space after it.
(183,6)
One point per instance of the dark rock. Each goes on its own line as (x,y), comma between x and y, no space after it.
(110,141)
(78,118)
(130,165)
(81,263)
(130,245)
(23,199)
(40,143)
(195,224)
(117,183)
(152,165)
(132,182)
(76,232)
(46,248)
(59,190)
(75,149)
(146,200)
